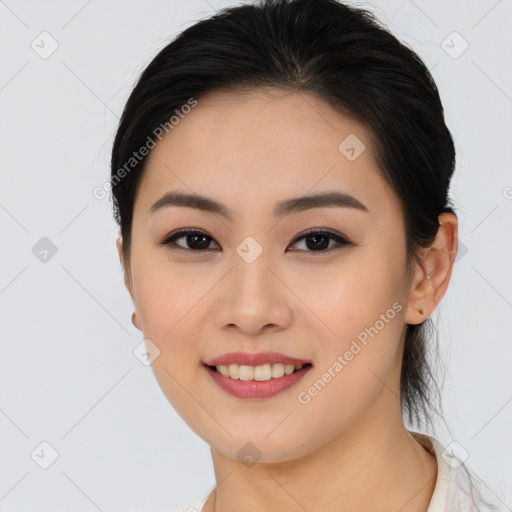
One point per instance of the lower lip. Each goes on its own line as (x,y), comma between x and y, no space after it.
(254,388)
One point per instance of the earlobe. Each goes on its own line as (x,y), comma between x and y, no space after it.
(135,321)
(433,275)
(419,306)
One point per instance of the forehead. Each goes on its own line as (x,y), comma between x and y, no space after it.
(265,145)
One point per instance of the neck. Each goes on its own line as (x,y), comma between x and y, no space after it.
(376,461)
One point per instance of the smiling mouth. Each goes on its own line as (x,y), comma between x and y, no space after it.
(257,373)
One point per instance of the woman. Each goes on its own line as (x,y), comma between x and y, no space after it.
(280,178)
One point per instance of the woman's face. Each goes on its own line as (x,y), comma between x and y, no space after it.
(251,282)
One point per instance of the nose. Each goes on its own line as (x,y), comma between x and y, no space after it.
(254,297)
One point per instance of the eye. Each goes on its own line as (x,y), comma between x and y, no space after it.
(319,240)
(195,240)
(198,241)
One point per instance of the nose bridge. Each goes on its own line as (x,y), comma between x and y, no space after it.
(253,298)
(252,276)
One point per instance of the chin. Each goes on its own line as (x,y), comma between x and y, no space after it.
(257,448)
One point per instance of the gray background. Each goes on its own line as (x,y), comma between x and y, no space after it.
(69,375)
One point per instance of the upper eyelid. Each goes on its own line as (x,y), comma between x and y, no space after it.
(323,231)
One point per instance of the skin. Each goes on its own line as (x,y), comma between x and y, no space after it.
(347,449)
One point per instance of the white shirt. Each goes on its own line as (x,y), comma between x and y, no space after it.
(451,492)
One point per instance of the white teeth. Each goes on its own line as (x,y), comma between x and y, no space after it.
(259,373)
(263,372)
(289,368)
(277,370)
(246,373)
(233,371)
(224,370)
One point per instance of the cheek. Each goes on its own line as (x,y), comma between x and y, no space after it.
(361,305)
(168,311)
(352,296)
(163,290)
(357,360)
(167,304)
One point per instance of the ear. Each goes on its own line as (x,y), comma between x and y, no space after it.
(126,272)
(127,280)
(437,263)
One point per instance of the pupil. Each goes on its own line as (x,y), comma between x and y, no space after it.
(204,245)
(317,245)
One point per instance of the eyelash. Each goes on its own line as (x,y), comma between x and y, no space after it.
(171,239)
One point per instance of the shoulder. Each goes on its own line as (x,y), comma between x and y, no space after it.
(198,503)
(454,489)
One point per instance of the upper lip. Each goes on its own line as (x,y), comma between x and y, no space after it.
(257,359)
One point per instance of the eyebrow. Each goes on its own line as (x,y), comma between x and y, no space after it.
(286,207)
